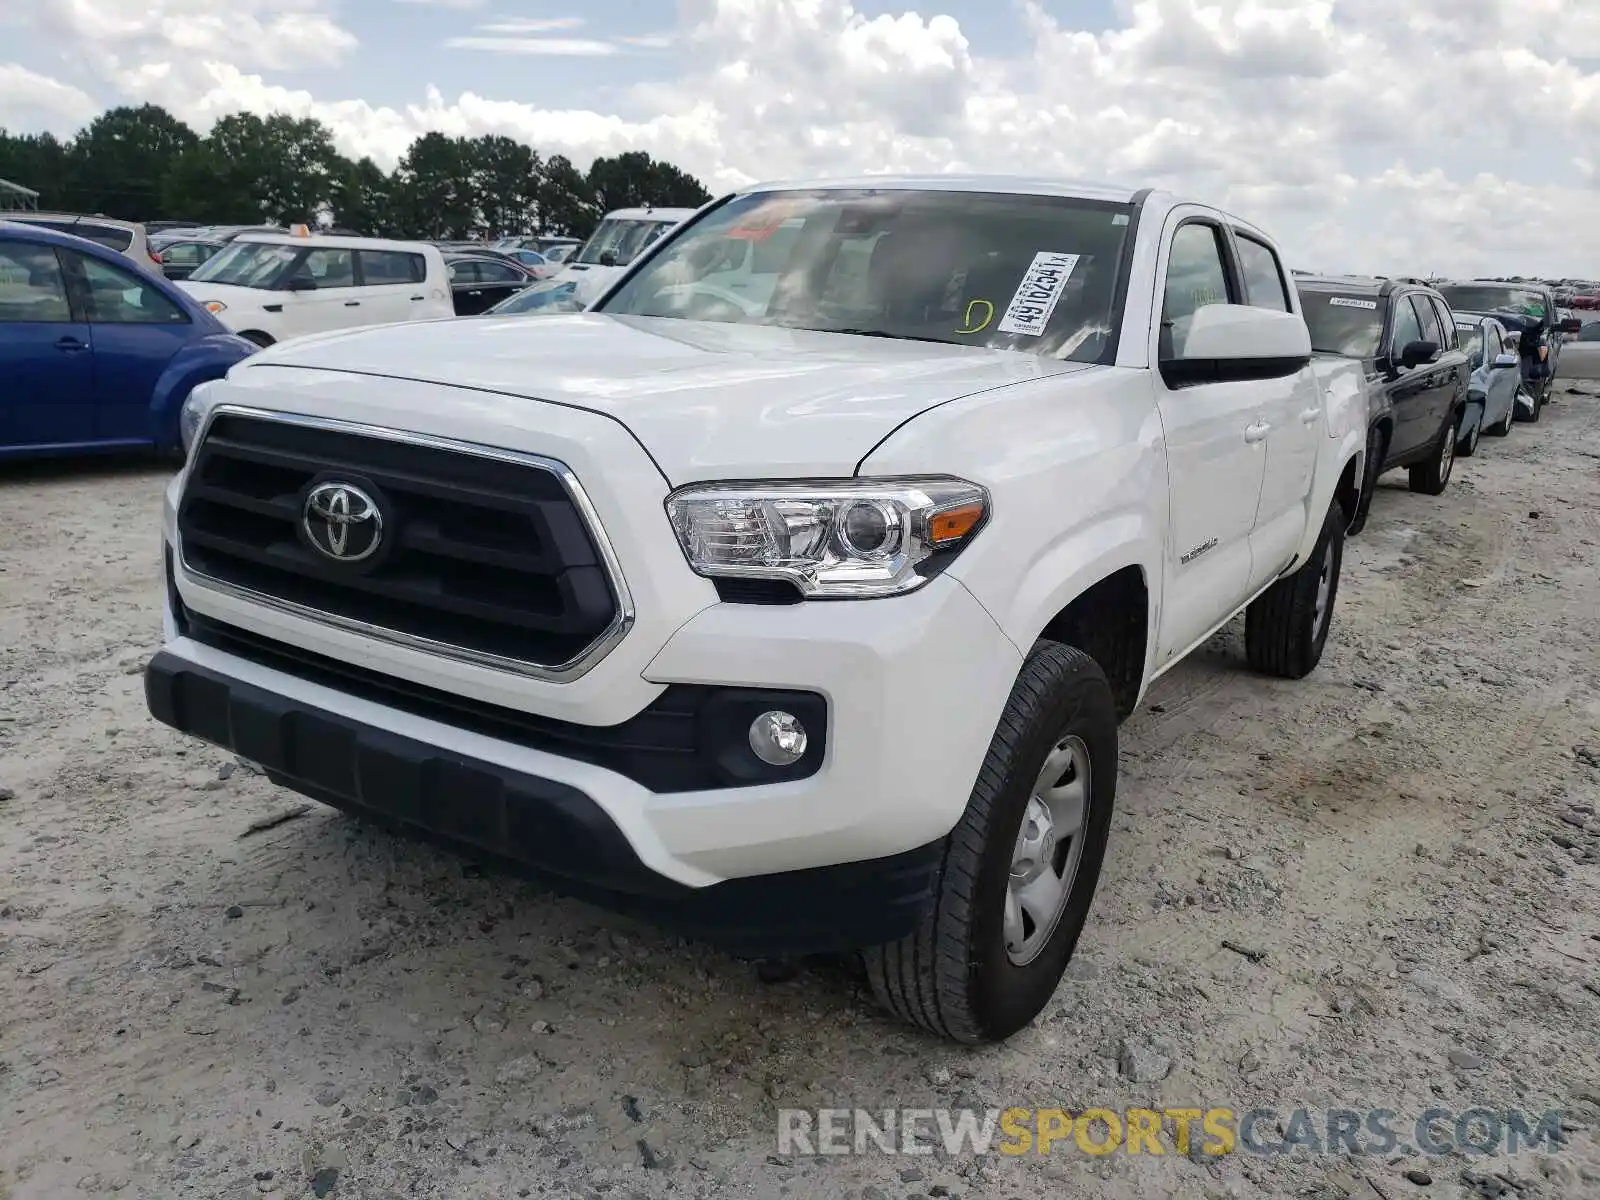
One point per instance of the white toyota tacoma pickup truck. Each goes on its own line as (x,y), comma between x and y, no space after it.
(801,614)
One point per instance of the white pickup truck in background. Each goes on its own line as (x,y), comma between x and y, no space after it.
(801,623)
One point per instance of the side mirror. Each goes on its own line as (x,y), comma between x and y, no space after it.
(1572,325)
(608,259)
(1418,353)
(1504,362)
(1224,342)
(300,283)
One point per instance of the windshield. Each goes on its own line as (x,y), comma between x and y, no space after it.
(1489,297)
(1035,274)
(552,296)
(622,237)
(1350,326)
(1470,336)
(248,264)
(109,236)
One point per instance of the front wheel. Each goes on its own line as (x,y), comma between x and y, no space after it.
(1377,447)
(1502,427)
(1021,865)
(1433,476)
(1286,627)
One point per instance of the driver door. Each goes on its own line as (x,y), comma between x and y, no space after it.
(332,302)
(1216,447)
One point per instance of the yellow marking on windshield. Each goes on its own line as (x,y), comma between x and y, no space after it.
(967,325)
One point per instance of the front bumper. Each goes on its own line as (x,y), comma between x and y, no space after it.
(845,856)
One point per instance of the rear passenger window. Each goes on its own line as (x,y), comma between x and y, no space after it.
(1447,323)
(31,285)
(379,267)
(1263,275)
(1429,316)
(1196,277)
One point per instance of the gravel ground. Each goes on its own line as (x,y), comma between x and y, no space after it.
(1406,843)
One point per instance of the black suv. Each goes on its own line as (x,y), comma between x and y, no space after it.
(1405,335)
(1530,311)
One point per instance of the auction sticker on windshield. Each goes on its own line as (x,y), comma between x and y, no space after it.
(1352,302)
(1036,296)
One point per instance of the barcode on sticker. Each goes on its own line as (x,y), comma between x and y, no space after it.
(1036,296)
(1350,302)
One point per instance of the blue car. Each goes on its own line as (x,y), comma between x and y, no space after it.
(95,354)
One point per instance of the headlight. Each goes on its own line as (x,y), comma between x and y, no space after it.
(843,540)
(194,412)
(215,306)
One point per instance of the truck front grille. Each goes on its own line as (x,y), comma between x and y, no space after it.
(479,554)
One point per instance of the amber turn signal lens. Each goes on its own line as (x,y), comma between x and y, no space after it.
(953,524)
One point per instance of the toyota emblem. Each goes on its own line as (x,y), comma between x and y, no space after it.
(342,522)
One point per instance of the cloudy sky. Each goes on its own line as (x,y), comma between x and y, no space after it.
(1448,135)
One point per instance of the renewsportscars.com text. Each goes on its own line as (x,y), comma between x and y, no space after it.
(1183,1131)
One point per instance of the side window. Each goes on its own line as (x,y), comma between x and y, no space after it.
(1196,277)
(1447,324)
(328,268)
(463,272)
(1263,274)
(1493,347)
(491,272)
(184,254)
(1429,316)
(1407,328)
(31,285)
(117,297)
(380,267)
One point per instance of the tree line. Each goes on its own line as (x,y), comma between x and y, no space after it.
(144,164)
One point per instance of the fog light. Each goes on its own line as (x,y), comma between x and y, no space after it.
(778,738)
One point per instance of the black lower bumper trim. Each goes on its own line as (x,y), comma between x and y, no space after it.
(524,821)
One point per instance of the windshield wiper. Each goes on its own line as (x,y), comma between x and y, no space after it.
(899,337)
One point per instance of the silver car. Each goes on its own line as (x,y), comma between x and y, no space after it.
(1492,386)
(127,238)
(1580,356)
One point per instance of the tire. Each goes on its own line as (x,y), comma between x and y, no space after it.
(1535,405)
(956,975)
(1502,428)
(1467,444)
(1377,447)
(1432,475)
(1286,627)
(255,335)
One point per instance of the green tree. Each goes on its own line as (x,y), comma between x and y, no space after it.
(361,198)
(433,192)
(504,178)
(289,165)
(41,162)
(567,204)
(634,180)
(119,160)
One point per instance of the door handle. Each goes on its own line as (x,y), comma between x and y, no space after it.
(414,298)
(1256,432)
(1310,415)
(70,345)
(352,304)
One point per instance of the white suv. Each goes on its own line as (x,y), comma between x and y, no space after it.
(268,287)
(799,615)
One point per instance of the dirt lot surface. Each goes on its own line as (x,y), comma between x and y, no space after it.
(1405,843)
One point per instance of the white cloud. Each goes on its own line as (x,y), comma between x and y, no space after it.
(34,102)
(563,47)
(461,4)
(1455,135)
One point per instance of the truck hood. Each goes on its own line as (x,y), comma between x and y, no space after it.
(706,400)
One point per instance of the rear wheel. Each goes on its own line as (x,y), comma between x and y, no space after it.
(1529,397)
(1502,427)
(1286,627)
(1432,476)
(1021,865)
